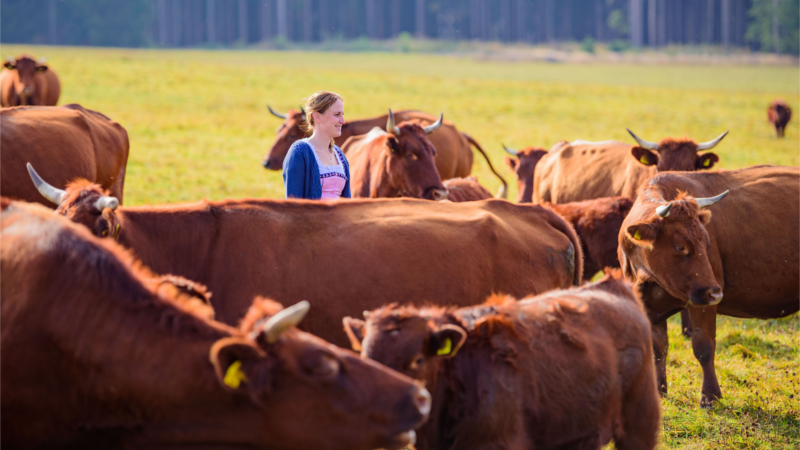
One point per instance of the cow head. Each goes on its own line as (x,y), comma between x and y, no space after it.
(409,161)
(344,402)
(523,165)
(675,154)
(667,243)
(82,202)
(25,81)
(406,339)
(287,133)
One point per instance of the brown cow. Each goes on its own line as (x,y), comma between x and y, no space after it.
(566,369)
(95,356)
(597,223)
(453,151)
(582,170)
(779,114)
(748,251)
(523,164)
(25,81)
(466,190)
(63,143)
(398,163)
(367,251)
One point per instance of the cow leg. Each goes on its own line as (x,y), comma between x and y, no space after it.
(641,412)
(660,349)
(686,324)
(704,345)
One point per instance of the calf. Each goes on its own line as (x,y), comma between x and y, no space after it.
(97,352)
(779,114)
(566,369)
(523,164)
(466,190)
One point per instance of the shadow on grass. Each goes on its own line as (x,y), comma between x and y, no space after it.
(748,345)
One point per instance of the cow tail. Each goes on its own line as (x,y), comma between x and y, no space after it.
(565,227)
(504,190)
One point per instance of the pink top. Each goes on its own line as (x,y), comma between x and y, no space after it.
(332,178)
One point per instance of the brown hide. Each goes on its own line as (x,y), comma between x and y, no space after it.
(466,190)
(387,165)
(366,251)
(62,143)
(25,82)
(738,257)
(524,166)
(567,369)
(453,151)
(96,354)
(582,170)
(597,223)
(779,114)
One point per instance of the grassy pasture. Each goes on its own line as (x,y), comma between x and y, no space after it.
(198,126)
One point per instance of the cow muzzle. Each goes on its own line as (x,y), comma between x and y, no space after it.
(706,296)
(436,194)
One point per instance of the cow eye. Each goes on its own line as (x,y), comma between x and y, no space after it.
(411,156)
(417,362)
(292,136)
(325,366)
(681,249)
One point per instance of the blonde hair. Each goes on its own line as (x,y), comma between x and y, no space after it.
(318,102)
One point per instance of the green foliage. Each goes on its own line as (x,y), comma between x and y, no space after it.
(764,14)
(617,22)
(619,45)
(587,45)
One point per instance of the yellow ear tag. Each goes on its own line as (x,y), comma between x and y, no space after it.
(116,231)
(706,163)
(446,348)
(643,160)
(637,235)
(234,375)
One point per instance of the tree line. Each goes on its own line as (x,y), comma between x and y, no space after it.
(763,25)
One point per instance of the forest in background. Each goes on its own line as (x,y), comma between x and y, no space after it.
(760,25)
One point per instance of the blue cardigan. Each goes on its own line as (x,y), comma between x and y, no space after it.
(301,173)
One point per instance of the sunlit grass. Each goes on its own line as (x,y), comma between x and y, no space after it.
(199,126)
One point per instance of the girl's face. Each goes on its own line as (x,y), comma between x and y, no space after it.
(330,122)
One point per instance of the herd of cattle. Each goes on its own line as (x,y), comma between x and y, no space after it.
(162,326)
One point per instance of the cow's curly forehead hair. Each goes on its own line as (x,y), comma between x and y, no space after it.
(318,102)
(78,190)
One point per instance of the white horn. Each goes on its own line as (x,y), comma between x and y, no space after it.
(285,319)
(391,126)
(278,115)
(510,151)
(106,202)
(49,192)
(642,143)
(706,202)
(711,144)
(434,126)
(663,210)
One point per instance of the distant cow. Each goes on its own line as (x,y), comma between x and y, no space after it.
(453,151)
(372,250)
(25,81)
(97,355)
(779,114)
(582,170)
(524,164)
(466,190)
(63,143)
(398,163)
(679,254)
(567,369)
(597,223)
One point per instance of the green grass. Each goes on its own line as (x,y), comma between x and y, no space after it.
(199,126)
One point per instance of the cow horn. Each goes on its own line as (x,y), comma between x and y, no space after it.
(663,210)
(712,143)
(304,112)
(49,192)
(280,116)
(642,143)
(285,319)
(434,126)
(106,202)
(510,151)
(706,202)
(390,124)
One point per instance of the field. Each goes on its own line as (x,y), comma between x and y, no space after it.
(199,126)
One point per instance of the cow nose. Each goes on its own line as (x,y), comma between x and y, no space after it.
(439,194)
(26,92)
(422,400)
(266,164)
(707,297)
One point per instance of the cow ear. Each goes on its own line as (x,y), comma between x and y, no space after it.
(240,366)
(643,234)
(706,161)
(511,162)
(9,65)
(446,341)
(645,156)
(355,332)
(41,68)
